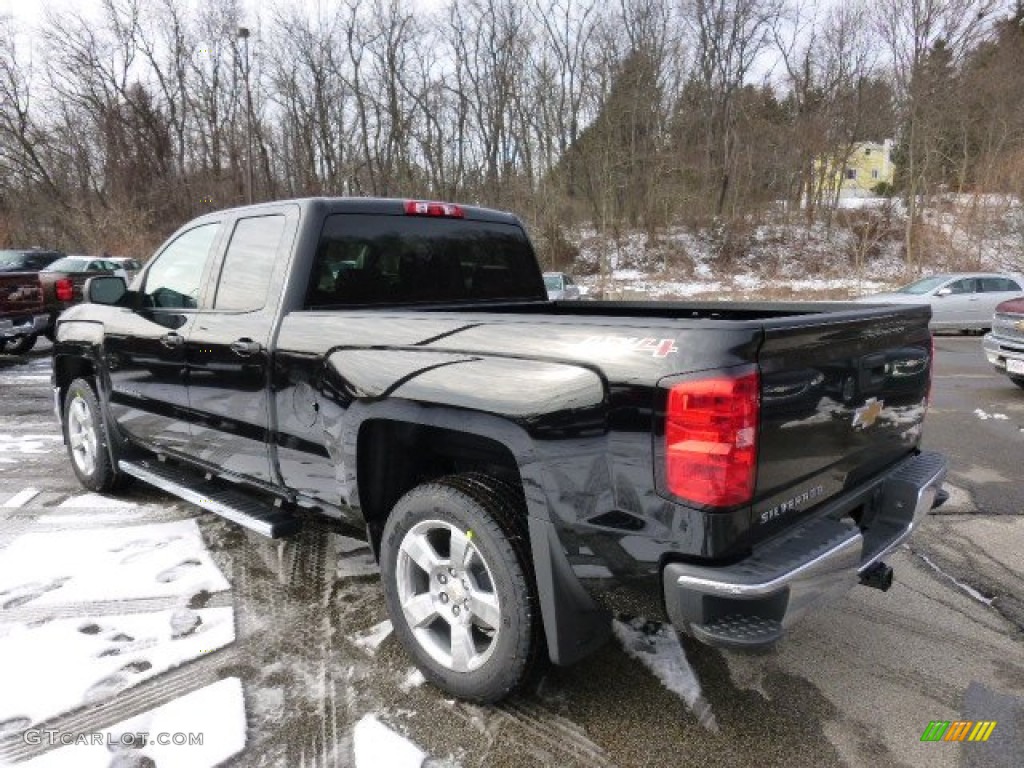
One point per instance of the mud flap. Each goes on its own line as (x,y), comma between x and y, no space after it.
(574,624)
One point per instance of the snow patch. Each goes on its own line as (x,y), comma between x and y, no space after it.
(215,713)
(413,679)
(21,498)
(95,501)
(985,416)
(657,647)
(159,560)
(967,588)
(28,444)
(66,663)
(357,564)
(369,640)
(375,745)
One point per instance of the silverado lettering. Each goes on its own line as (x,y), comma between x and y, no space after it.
(795,503)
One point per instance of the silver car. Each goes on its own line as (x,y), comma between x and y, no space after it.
(961,301)
(560,286)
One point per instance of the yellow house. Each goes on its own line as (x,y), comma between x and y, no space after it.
(868,164)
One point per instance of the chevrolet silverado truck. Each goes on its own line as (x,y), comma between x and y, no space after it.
(22,315)
(522,468)
(62,282)
(1004,344)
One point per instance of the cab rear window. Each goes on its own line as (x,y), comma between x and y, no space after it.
(370,260)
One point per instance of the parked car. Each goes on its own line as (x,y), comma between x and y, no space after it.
(1004,346)
(129,265)
(521,470)
(560,286)
(62,283)
(27,259)
(22,317)
(962,301)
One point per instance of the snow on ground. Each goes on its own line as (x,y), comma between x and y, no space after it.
(967,588)
(159,560)
(355,564)
(413,679)
(657,647)
(369,640)
(376,746)
(13,445)
(216,714)
(780,257)
(66,663)
(21,498)
(985,415)
(95,501)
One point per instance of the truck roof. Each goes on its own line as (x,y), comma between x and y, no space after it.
(394,206)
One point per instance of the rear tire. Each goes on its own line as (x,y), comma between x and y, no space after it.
(459,585)
(20,345)
(86,439)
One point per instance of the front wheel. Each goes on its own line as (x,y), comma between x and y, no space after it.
(458,583)
(20,345)
(86,439)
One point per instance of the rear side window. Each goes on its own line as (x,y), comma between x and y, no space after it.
(174,280)
(249,263)
(366,260)
(998,285)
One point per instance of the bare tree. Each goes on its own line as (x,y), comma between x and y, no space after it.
(911,29)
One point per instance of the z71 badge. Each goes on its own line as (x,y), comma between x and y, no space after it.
(656,347)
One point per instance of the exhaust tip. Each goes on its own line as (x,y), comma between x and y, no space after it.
(878,576)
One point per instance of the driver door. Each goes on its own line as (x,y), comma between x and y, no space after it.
(144,345)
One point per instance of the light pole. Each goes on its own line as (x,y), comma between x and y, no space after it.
(243,35)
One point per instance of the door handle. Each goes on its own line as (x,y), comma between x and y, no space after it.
(244,347)
(172,340)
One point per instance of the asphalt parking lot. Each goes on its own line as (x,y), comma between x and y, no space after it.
(854,685)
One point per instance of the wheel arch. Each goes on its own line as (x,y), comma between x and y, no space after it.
(574,625)
(396,455)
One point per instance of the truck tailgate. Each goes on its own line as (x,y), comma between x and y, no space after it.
(20,293)
(842,398)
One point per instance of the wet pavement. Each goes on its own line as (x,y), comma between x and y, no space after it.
(855,684)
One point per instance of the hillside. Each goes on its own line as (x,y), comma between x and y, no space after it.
(862,252)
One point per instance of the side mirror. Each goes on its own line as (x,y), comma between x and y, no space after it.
(943,291)
(105,289)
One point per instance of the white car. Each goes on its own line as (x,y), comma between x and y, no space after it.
(961,301)
(560,286)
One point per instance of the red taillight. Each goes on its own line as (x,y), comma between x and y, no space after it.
(424,208)
(711,439)
(65,290)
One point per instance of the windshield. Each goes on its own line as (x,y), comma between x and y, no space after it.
(553,282)
(67,264)
(923,286)
(11,260)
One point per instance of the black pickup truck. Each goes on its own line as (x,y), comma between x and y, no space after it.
(522,468)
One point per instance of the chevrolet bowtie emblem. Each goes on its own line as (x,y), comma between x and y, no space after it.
(866,415)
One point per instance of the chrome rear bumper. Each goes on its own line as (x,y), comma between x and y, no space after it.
(750,603)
